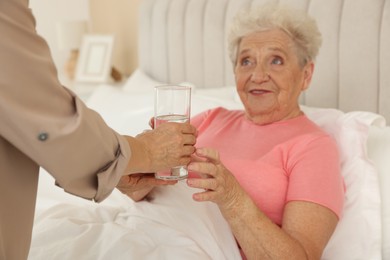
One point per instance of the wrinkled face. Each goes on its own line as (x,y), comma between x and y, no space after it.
(269,78)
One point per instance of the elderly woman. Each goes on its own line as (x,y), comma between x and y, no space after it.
(272,172)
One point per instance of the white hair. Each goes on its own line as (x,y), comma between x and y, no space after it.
(297,24)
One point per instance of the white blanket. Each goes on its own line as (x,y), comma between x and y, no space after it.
(170,226)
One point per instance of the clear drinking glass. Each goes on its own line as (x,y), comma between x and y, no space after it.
(172,104)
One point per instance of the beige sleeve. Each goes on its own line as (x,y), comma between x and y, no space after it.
(46,121)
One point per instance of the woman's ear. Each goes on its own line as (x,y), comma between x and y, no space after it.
(307,75)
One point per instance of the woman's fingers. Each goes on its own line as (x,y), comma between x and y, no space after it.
(206,168)
(206,195)
(217,183)
(209,153)
(208,184)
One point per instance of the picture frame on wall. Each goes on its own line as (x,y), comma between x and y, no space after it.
(95,58)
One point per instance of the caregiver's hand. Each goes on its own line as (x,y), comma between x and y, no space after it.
(168,145)
(218,183)
(138,185)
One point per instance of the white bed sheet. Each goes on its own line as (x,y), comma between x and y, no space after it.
(173,226)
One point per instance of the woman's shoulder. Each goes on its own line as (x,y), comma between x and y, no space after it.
(314,135)
(304,130)
(308,125)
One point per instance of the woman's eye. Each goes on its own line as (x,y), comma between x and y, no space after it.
(245,62)
(277,61)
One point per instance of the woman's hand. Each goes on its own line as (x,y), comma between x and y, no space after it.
(219,184)
(138,186)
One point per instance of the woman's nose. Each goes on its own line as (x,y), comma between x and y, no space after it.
(260,74)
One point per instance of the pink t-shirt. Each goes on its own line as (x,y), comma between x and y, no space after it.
(275,163)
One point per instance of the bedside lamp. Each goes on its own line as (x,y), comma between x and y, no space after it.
(70,35)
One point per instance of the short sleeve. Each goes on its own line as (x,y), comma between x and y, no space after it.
(315,174)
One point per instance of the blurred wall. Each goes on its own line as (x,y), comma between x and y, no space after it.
(118,17)
(47,14)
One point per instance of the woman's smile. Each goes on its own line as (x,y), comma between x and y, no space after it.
(259,92)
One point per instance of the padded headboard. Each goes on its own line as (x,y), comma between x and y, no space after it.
(185,41)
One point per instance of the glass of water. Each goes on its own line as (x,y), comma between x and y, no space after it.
(172,104)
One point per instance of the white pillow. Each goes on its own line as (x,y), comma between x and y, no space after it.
(358,234)
(378,147)
(140,82)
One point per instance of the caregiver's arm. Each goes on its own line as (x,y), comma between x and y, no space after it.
(49,124)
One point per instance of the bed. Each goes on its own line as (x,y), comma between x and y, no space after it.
(183,42)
